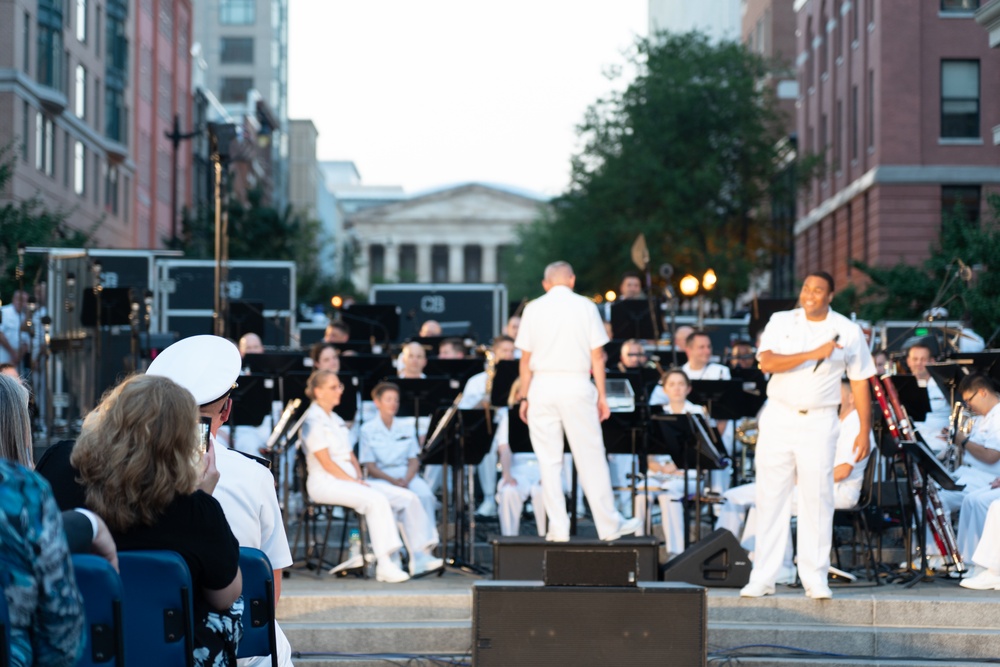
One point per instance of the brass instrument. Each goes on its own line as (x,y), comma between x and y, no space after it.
(960,421)
(746,431)
(491,373)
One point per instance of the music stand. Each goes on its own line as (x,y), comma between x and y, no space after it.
(643,381)
(457,369)
(506,372)
(421,397)
(371,368)
(691,443)
(353,347)
(625,433)
(370,322)
(987,363)
(912,396)
(632,319)
(275,363)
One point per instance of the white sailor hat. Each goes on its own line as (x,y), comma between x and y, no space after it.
(207,366)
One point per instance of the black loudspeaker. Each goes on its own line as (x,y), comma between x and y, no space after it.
(528,624)
(717,560)
(524,558)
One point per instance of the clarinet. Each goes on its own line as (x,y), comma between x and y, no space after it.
(941,529)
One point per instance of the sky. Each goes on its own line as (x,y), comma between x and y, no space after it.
(430,93)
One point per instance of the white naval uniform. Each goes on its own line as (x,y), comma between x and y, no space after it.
(740,500)
(391,448)
(248,499)
(668,490)
(11,328)
(938,417)
(379,505)
(510,497)
(987,553)
(473,396)
(560,330)
(978,496)
(797,440)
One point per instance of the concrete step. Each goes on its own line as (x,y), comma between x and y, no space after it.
(375,606)
(819,661)
(383,659)
(861,640)
(418,637)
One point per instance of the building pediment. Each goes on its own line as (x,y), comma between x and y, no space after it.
(466,203)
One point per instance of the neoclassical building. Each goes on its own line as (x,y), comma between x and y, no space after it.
(453,235)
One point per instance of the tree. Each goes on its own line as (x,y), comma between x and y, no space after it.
(28,222)
(904,292)
(687,154)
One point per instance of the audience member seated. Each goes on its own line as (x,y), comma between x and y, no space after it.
(146,473)
(45,606)
(335,478)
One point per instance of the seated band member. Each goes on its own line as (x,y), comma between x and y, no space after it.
(665,480)
(917,358)
(389,449)
(334,477)
(986,556)
(474,396)
(631,356)
(521,477)
(848,476)
(981,457)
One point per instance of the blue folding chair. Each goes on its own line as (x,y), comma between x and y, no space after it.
(4,630)
(258,606)
(102,592)
(158,595)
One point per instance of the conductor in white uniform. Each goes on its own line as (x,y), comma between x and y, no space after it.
(561,339)
(806,351)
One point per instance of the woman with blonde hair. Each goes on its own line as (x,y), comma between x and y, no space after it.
(141,459)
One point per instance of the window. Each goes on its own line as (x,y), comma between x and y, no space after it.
(838,121)
(235,88)
(407,263)
(808,49)
(26,41)
(25,130)
(50,44)
(854,123)
(237,50)
(871,109)
(439,263)
(473,264)
(376,263)
(822,33)
(959,5)
(960,99)
(80,93)
(838,33)
(66,159)
(81,20)
(116,72)
(79,167)
(237,12)
(960,202)
(97,182)
(111,189)
(854,20)
(97,30)
(44,149)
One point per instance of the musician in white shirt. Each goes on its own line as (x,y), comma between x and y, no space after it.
(917,358)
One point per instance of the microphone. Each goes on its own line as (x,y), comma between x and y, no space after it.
(820,361)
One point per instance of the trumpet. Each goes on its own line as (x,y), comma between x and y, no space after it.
(961,421)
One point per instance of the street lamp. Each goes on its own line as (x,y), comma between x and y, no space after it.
(691,286)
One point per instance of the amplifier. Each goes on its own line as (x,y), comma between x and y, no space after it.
(579,562)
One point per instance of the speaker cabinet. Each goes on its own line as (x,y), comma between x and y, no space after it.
(716,560)
(577,562)
(527,624)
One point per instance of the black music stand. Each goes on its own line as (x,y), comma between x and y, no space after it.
(643,381)
(625,433)
(251,403)
(691,443)
(422,397)
(634,318)
(371,368)
(371,322)
(353,347)
(912,396)
(949,375)
(275,363)
(506,372)
(727,400)
(987,363)
(458,369)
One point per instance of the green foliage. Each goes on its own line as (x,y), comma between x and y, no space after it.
(903,292)
(30,223)
(687,154)
(259,231)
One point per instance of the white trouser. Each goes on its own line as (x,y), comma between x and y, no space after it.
(733,511)
(794,446)
(972,518)
(566,403)
(987,554)
(487,470)
(419,532)
(284,652)
(420,487)
(620,466)
(511,497)
(567,483)
(974,479)
(669,493)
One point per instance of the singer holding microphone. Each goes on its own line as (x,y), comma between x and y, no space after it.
(806,351)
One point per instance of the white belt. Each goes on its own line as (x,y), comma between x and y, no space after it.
(808,411)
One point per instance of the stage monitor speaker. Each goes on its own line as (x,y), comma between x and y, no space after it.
(525,558)
(528,624)
(716,560)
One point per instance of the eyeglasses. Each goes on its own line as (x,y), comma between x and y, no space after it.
(967,400)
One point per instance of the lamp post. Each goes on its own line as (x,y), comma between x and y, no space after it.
(691,286)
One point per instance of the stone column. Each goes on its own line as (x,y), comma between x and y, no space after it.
(423,262)
(456,263)
(362,267)
(489,263)
(391,261)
